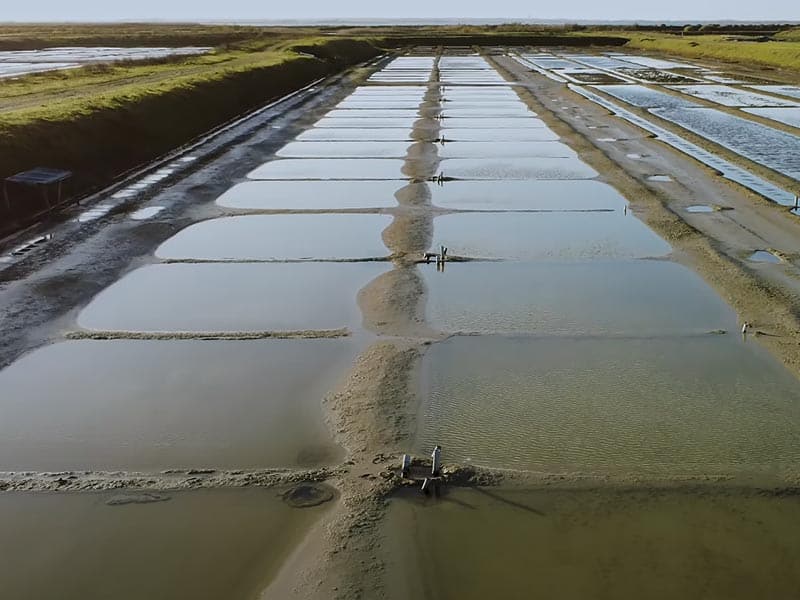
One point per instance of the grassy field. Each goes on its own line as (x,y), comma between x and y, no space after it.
(783,52)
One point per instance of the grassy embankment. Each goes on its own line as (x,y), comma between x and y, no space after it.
(100,121)
(780,52)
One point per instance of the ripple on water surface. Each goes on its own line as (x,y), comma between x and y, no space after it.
(138,405)
(233,297)
(280,237)
(92,551)
(561,236)
(602,543)
(620,298)
(698,405)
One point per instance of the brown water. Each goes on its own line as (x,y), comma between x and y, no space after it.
(153,405)
(233,297)
(200,545)
(689,405)
(601,543)
(280,237)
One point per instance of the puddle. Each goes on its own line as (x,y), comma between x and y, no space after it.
(280,237)
(663,178)
(458,134)
(506,149)
(233,297)
(764,256)
(700,208)
(538,236)
(311,195)
(543,194)
(516,168)
(96,212)
(76,547)
(662,407)
(367,134)
(330,168)
(363,122)
(599,543)
(621,298)
(355,149)
(153,405)
(148,212)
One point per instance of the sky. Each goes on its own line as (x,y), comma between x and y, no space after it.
(232,10)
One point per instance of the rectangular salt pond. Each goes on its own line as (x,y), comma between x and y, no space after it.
(345,149)
(372,113)
(311,195)
(458,134)
(521,111)
(589,298)
(543,194)
(791,91)
(139,405)
(493,123)
(774,149)
(729,96)
(505,150)
(366,122)
(330,168)
(489,104)
(516,168)
(238,297)
(333,134)
(787,116)
(280,237)
(603,543)
(708,405)
(204,544)
(644,97)
(552,236)
(390,106)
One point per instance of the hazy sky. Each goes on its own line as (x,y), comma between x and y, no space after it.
(679,10)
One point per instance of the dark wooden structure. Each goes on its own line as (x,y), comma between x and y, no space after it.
(48,184)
